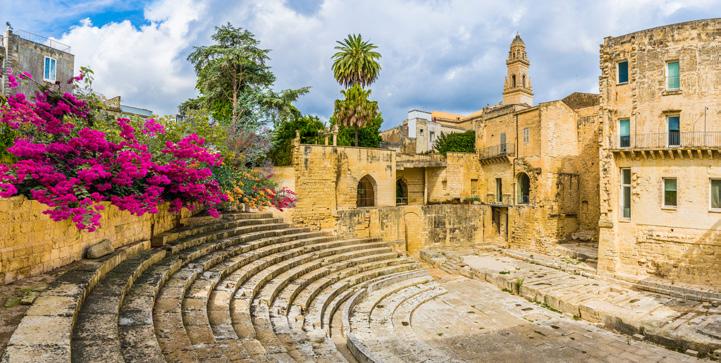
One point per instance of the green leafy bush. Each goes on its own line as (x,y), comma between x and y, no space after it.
(456,142)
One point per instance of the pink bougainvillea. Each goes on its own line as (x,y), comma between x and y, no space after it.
(72,168)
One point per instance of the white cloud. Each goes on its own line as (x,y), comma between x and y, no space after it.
(436,54)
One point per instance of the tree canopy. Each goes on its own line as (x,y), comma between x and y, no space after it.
(355,110)
(356,62)
(310,128)
(456,142)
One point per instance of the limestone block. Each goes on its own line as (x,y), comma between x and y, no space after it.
(100,249)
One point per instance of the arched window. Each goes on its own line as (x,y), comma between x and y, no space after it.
(513,82)
(524,188)
(366,192)
(524,81)
(401,192)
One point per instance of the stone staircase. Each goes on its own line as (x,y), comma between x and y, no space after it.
(246,287)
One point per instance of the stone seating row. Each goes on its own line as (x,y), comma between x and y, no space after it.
(247,287)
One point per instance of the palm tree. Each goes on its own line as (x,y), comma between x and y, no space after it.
(356,62)
(355,109)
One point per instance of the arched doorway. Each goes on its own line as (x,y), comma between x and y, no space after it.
(524,188)
(401,192)
(366,196)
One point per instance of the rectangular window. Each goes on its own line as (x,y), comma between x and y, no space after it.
(623,72)
(674,130)
(474,187)
(673,76)
(499,190)
(626,193)
(503,143)
(669,192)
(624,132)
(526,135)
(716,194)
(49,69)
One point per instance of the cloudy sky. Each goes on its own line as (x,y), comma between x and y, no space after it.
(437,55)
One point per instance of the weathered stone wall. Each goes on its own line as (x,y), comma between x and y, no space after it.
(32,243)
(463,174)
(414,179)
(434,226)
(680,244)
(326,180)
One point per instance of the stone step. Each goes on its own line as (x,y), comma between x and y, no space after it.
(278,264)
(136,317)
(236,271)
(314,317)
(207,232)
(96,334)
(263,317)
(177,329)
(44,333)
(402,324)
(355,346)
(368,333)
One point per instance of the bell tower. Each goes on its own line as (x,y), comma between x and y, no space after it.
(517,86)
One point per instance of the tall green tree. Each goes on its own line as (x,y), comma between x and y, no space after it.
(355,110)
(231,72)
(356,62)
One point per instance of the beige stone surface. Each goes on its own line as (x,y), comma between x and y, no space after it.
(678,244)
(32,243)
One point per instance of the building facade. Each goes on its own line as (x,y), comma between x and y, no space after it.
(418,133)
(47,60)
(661,150)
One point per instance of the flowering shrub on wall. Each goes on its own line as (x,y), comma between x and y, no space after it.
(254,188)
(61,161)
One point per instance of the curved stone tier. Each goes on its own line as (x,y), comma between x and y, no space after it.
(248,288)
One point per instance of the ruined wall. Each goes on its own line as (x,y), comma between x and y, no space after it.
(326,180)
(463,175)
(32,243)
(430,226)
(414,179)
(678,244)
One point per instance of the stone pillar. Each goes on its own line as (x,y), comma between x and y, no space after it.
(335,135)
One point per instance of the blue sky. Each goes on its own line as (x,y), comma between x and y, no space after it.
(437,55)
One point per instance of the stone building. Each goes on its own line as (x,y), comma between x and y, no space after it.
(660,172)
(534,162)
(46,59)
(418,133)
(532,182)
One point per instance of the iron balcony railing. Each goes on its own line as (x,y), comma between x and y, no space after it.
(500,150)
(50,42)
(670,139)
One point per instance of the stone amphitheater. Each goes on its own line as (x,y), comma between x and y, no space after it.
(249,287)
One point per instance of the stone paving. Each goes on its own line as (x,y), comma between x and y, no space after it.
(680,324)
(475,321)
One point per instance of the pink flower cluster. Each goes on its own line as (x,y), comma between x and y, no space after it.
(72,169)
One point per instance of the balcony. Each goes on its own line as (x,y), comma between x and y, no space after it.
(496,153)
(668,144)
